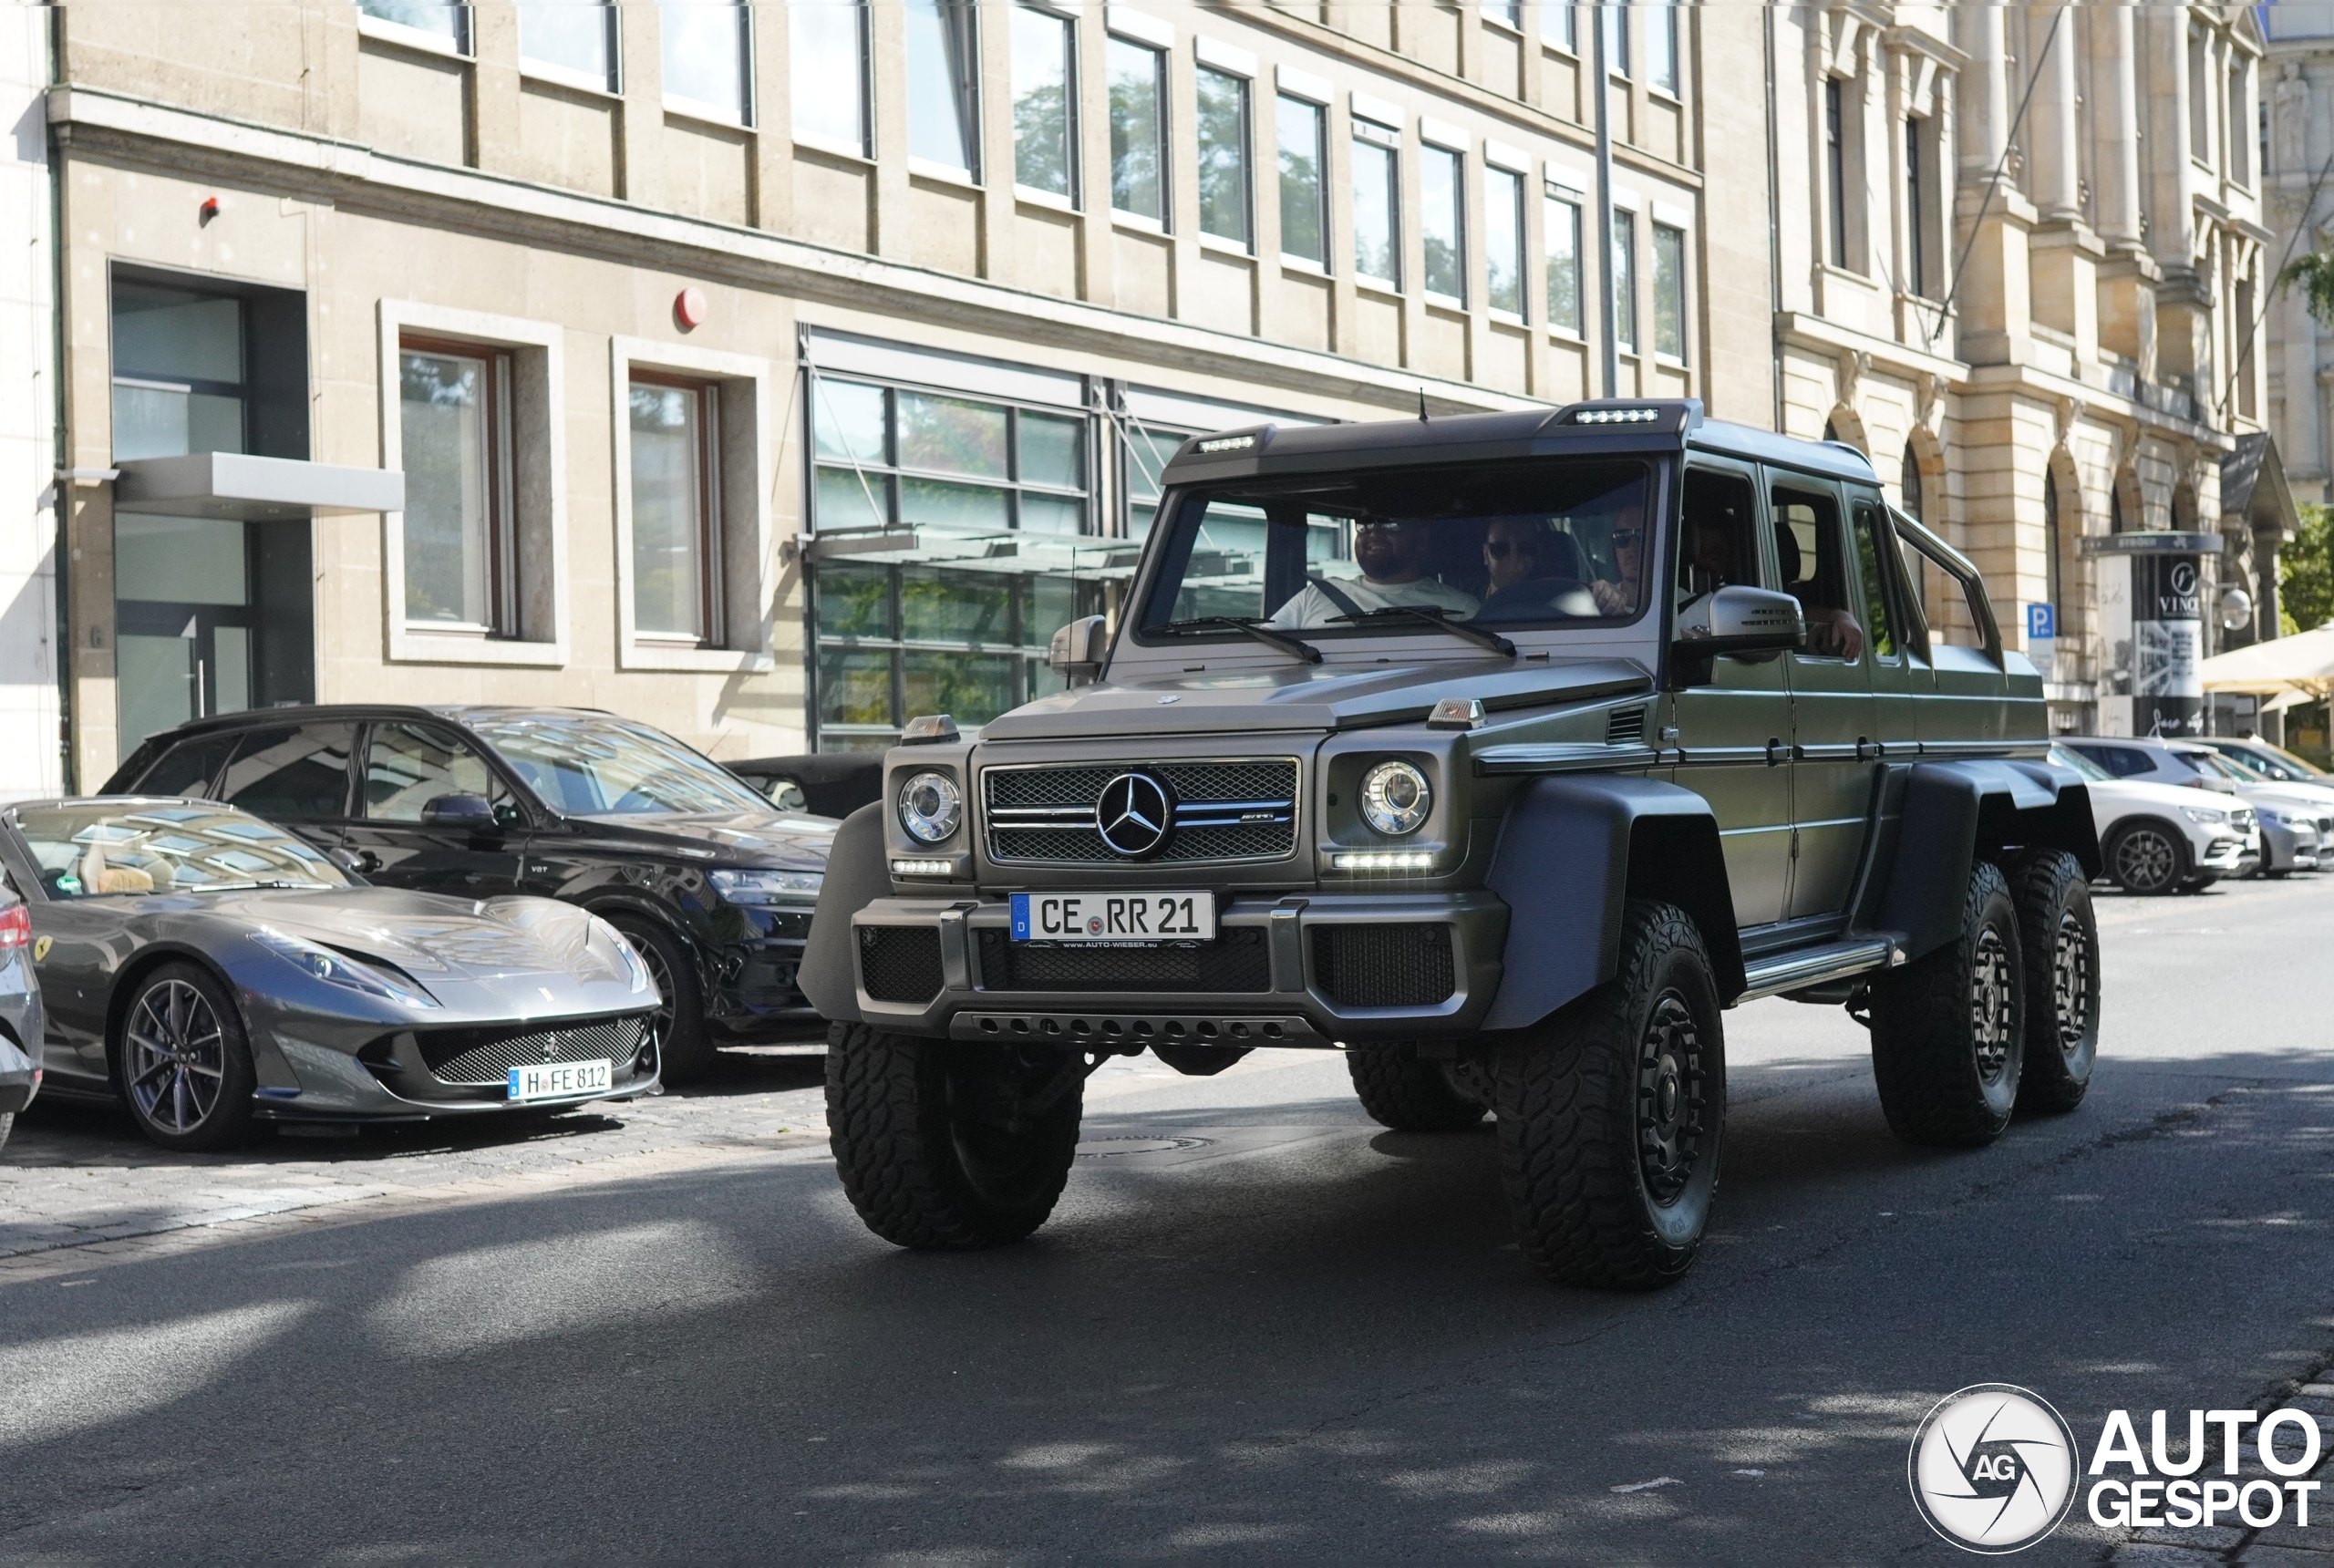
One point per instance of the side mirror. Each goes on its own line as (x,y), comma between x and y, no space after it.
(1738,620)
(356,862)
(460,811)
(1078,649)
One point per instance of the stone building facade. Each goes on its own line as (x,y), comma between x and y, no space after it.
(773,373)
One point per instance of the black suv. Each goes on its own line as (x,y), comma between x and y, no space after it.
(712,884)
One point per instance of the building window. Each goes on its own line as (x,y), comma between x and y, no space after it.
(1835,171)
(827,66)
(575,39)
(1377,204)
(1908,484)
(1443,222)
(454,415)
(1224,155)
(1304,194)
(1614,17)
(1044,54)
(2239,152)
(705,51)
(2050,540)
(1556,27)
(1504,241)
(438,18)
(1138,129)
(1661,44)
(1624,281)
(1917,217)
(944,86)
(1669,291)
(958,629)
(1562,213)
(676,511)
(2199,96)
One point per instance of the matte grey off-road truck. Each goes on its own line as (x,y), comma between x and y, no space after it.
(1503,753)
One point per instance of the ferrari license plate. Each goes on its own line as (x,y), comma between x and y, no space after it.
(558,1080)
(1119,919)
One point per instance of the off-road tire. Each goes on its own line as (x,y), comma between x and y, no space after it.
(2148,858)
(1948,1030)
(2060,943)
(1402,1092)
(684,1047)
(208,1039)
(1612,1115)
(938,1143)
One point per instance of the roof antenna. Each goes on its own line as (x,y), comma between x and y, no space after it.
(1422,404)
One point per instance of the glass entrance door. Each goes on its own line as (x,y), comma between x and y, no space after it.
(182,619)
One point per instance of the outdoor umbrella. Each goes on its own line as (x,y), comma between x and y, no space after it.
(2302,663)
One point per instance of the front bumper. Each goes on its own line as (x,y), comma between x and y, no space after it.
(2286,848)
(388,1078)
(751,997)
(1301,970)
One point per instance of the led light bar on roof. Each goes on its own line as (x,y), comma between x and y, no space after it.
(1227,443)
(1616,416)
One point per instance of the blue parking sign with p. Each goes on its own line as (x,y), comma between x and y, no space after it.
(2041,620)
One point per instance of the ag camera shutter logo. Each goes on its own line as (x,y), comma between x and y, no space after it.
(1993,1469)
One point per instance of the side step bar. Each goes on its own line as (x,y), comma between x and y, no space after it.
(1814,966)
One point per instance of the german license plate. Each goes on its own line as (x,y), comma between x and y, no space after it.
(1118,918)
(558,1080)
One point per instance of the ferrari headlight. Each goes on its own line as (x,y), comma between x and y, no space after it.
(321,962)
(1394,797)
(930,807)
(751,884)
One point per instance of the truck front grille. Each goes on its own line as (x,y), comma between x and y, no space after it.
(900,963)
(1383,965)
(1237,961)
(1225,810)
(487,1055)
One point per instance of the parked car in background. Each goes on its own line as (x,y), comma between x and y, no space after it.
(211,969)
(21,1019)
(709,881)
(828,784)
(2148,760)
(2296,820)
(2270,762)
(2163,838)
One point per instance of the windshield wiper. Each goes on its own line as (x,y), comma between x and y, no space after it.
(1296,646)
(1432,615)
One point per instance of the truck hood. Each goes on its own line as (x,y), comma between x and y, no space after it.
(1310,696)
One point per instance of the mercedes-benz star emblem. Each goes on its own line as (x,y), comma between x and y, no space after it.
(1133,813)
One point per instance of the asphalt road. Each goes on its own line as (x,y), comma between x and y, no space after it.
(1258,1327)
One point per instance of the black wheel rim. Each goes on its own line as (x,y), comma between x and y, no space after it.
(1673,1099)
(2070,983)
(660,1023)
(1991,996)
(2145,860)
(174,1058)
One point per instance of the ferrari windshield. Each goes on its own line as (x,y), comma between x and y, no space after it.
(90,850)
(1548,543)
(588,765)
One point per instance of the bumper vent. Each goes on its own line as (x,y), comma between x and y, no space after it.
(1625,727)
(477,1056)
(1237,961)
(900,963)
(1384,966)
(1241,810)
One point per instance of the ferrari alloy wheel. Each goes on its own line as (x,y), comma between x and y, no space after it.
(185,1067)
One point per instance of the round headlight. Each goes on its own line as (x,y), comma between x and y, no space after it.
(1394,797)
(930,807)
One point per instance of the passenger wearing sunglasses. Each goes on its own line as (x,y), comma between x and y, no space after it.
(1533,572)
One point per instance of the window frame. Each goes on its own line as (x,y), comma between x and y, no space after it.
(539,473)
(864,77)
(1459,258)
(1662,74)
(501,539)
(1681,275)
(1572,321)
(1066,22)
(744,115)
(1244,88)
(1835,172)
(462,45)
(706,396)
(1520,253)
(1386,139)
(962,18)
(1320,116)
(1567,35)
(1622,279)
(1162,138)
(609,83)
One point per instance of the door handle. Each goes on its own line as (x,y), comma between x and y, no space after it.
(1867,750)
(1777,753)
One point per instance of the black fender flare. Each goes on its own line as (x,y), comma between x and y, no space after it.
(859,871)
(1954,813)
(1573,849)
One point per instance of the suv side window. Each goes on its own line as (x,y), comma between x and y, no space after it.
(1870,567)
(1807,548)
(2123,761)
(408,766)
(190,768)
(1719,538)
(290,774)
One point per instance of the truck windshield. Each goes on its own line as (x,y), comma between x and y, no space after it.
(1538,544)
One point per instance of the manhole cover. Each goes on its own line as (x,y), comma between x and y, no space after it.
(1112,1148)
